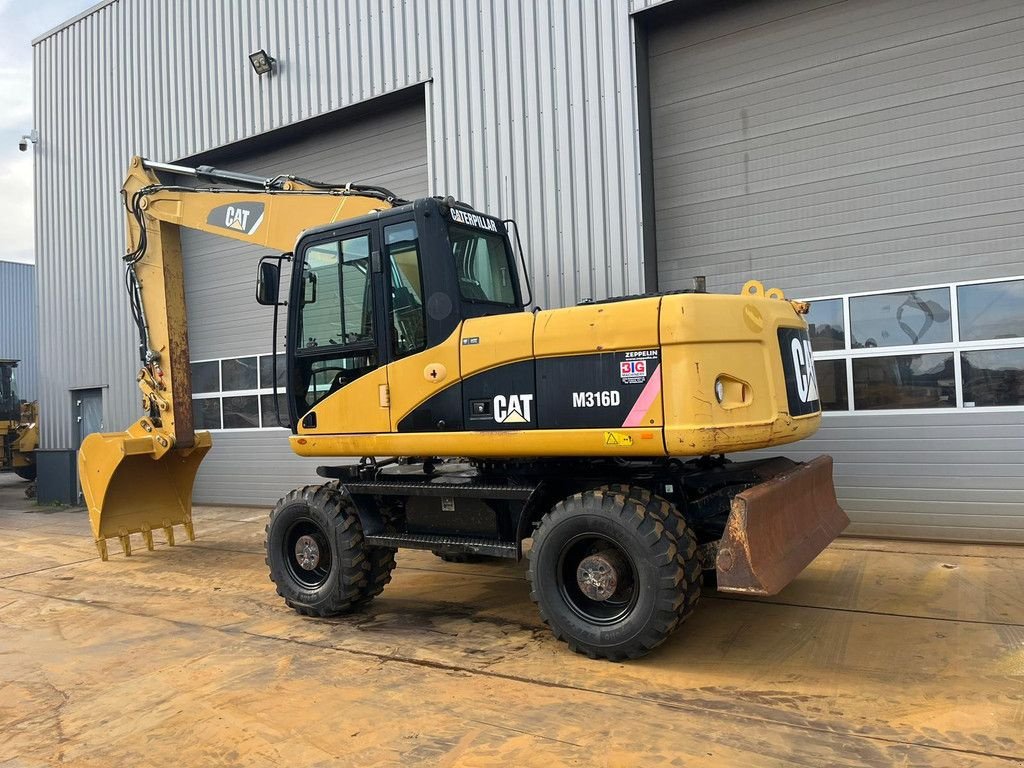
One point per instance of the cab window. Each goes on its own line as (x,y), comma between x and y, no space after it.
(484,265)
(337,302)
(408,317)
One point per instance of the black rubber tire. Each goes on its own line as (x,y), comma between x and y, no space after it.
(26,473)
(696,576)
(661,587)
(382,563)
(348,582)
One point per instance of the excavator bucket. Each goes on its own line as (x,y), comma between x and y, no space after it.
(133,483)
(778,527)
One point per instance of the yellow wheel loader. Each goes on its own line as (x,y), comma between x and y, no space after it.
(19,434)
(599,431)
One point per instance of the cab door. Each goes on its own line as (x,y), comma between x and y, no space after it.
(339,353)
(425,391)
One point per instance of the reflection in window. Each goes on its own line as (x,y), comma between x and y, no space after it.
(825,324)
(267,411)
(206,412)
(337,304)
(206,377)
(831,376)
(238,373)
(993,377)
(484,265)
(905,317)
(266,371)
(991,310)
(408,318)
(904,381)
(241,412)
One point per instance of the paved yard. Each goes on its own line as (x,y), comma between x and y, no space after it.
(881,653)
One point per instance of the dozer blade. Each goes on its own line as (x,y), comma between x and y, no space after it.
(132,484)
(778,527)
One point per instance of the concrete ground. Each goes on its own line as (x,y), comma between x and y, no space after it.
(881,653)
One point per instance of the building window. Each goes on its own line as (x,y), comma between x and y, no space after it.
(991,310)
(939,347)
(237,393)
(900,319)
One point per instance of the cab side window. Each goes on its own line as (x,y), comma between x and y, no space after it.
(408,316)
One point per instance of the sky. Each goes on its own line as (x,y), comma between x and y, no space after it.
(20,22)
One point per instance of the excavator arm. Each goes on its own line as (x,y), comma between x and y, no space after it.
(146,473)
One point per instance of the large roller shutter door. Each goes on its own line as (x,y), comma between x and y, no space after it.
(833,148)
(386,147)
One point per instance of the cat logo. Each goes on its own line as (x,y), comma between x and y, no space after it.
(241,217)
(803,364)
(514,409)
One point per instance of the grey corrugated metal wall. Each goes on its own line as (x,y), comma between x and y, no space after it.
(257,466)
(18,337)
(840,147)
(530,112)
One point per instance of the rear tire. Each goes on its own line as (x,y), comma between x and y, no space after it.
(696,576)
(26,473)
(316,554)
(576,546)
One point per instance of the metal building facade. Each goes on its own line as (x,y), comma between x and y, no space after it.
(560,114)
(18,334)
(530,112)
(852,149)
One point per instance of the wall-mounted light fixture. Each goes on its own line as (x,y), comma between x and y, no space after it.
(262,62)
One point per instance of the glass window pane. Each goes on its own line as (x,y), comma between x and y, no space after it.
(267,411)
(993,377)
(825,324)
(241,412)
(206,412)
(484,265)
(206,377)
(337,304)
(831,375)
(991,311)
(266,371)
(238,373)
(905,317)
(904,381)
(408,317)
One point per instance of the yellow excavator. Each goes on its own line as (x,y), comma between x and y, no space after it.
(597,431)
(19,433)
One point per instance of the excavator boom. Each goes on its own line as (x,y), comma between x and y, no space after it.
(141,479)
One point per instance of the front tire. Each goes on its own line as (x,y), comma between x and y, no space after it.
(605,573)
(27,472)
(316,554)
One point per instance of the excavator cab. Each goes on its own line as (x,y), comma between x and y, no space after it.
(372,291)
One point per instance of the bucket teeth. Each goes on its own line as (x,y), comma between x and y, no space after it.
(124,536)
(169,533)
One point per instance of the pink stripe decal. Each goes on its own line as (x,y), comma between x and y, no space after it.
(643,403)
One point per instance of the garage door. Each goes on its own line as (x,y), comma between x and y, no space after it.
(871,152)
(230,335)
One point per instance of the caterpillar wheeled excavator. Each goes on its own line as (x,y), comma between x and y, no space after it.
(19,434)
(598,431)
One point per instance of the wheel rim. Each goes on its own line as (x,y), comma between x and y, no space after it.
(597,579)
(307,552)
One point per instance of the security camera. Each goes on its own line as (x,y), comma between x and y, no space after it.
(23,144)
(28,138)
